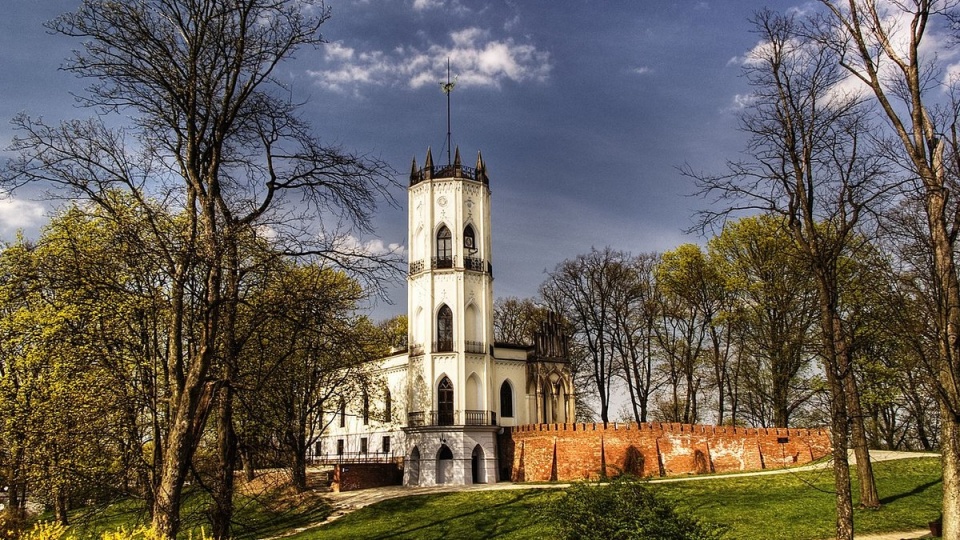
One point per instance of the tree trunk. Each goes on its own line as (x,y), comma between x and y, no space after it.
(869,498)
(185,429)
(836,357)
(221,511)
(949,359)
(299,462)
(841,466)
(247,457)
(950,458)
(60,507)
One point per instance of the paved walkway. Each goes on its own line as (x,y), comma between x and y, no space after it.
(346,502)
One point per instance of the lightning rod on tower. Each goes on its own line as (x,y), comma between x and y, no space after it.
(447,87)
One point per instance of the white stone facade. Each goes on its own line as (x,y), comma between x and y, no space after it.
(453,390)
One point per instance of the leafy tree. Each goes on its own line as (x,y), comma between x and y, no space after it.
(308,352)
(776,311)
(692,300)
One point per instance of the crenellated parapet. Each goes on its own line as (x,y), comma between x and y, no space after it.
(455,170)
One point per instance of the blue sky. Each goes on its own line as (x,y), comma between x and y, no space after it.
(584,110)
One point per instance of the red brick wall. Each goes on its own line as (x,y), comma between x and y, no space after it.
(353,476)
(577,451)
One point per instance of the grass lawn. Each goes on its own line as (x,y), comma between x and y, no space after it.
(795,505)
(801,505)
(268,509)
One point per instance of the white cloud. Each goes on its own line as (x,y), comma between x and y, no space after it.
(742,101)
(16,214)
(420,5)
(476,57)
(642,70)
(351,245)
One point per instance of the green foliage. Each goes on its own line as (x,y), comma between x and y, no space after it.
(626,508)
(48,530)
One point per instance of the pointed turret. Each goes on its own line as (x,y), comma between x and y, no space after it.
(457,167)
(428,165)
(481,169)
(414,173)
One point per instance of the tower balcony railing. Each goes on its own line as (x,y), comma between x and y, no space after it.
(441,262)
(451,418)
(443,345)
(473,264)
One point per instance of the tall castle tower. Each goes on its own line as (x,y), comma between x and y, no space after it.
(450,314)
(459,393)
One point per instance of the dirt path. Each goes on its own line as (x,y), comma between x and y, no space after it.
(347,502)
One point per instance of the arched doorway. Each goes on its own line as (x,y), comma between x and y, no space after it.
(445,402)
(444,465)
(478,466)
(413,468)
(546,391)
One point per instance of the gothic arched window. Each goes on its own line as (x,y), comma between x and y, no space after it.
(506,400)
(444,248)
(445,402)
(444,329)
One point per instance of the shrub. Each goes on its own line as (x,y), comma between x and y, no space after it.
(12,525)
(626,508)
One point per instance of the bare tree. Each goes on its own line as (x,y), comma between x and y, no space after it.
(582,290)
(634,334)
(815,166)
(213,134)
(515,320)
(880,45)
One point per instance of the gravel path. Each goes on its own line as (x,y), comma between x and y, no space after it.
(346,502)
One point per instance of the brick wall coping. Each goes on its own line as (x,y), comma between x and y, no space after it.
(672,428)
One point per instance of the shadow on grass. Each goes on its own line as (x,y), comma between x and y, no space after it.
(915,491)
(488,522)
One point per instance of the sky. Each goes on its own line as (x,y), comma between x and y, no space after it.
(584,111)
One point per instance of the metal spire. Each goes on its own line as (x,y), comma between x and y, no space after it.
(447,87)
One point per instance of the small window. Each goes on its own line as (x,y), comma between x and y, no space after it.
(343,414)
(387,406)
(363,445)
(339,447)
(366,408)
(506,400)
(469,239)
(318,449)
(386,445)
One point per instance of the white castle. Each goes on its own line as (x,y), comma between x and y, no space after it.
(448,396)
